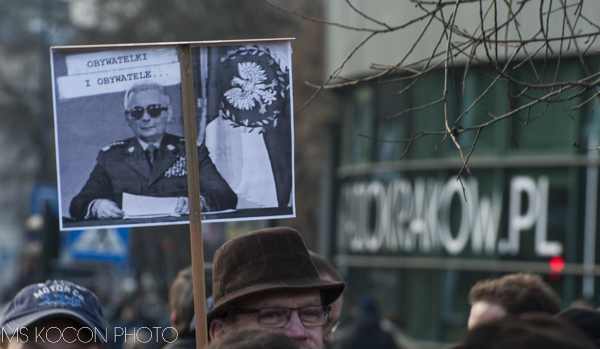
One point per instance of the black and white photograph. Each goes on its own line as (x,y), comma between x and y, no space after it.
(120,137)
(249,123)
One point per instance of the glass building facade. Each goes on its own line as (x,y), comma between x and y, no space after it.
(408,233)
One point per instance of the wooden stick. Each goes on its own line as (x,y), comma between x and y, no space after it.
(193,180)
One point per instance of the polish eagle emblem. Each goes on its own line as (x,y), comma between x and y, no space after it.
(250,88)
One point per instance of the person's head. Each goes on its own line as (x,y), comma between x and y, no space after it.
(328,272)
(367,308)
(582,303)
(207,293)
(55,314)
(181,301)
(265,279)
(511,294)
(584,318)
(254,339)
(525,331)
(147,111)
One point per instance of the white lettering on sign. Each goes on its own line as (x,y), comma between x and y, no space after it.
(397,216)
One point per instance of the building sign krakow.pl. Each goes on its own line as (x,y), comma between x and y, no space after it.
(400,216)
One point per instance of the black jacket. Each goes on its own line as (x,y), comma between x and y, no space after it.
(123,167)
(366,333)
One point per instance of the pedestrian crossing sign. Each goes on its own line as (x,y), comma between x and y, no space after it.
(99,244)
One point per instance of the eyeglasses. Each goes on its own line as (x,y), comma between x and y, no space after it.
(153,110)
(331,327)
(311,316)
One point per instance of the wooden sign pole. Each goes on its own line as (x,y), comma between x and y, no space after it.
(193,180)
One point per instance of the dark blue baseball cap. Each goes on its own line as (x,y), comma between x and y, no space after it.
(55,299)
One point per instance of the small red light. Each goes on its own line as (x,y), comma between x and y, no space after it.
(557,264)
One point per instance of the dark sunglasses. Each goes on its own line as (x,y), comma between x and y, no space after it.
(154,110)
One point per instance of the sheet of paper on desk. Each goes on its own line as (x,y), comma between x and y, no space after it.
(139,206)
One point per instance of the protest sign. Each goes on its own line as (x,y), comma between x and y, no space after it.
(169,126)
(113,103)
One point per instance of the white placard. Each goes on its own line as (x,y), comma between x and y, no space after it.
(136,206)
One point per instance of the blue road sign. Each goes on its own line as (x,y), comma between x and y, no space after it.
(110,245)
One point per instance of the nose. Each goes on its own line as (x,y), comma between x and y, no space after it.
(146,116)
(295,329)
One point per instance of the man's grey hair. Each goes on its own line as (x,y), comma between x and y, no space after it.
(146,86)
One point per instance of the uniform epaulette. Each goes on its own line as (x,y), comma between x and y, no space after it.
(109,146)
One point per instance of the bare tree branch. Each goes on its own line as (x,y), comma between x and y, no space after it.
(525,54)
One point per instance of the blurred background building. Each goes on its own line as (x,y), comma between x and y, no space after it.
(411,235)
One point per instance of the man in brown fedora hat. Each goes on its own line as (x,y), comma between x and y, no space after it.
(265,279)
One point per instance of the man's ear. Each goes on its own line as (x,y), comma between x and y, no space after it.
(170,112)
(217,328)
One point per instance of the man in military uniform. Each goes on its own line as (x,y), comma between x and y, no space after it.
(150,164)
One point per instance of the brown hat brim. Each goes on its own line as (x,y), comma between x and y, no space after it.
(330,291)
(265,260)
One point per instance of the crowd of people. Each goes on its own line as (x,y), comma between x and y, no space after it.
(269,292)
